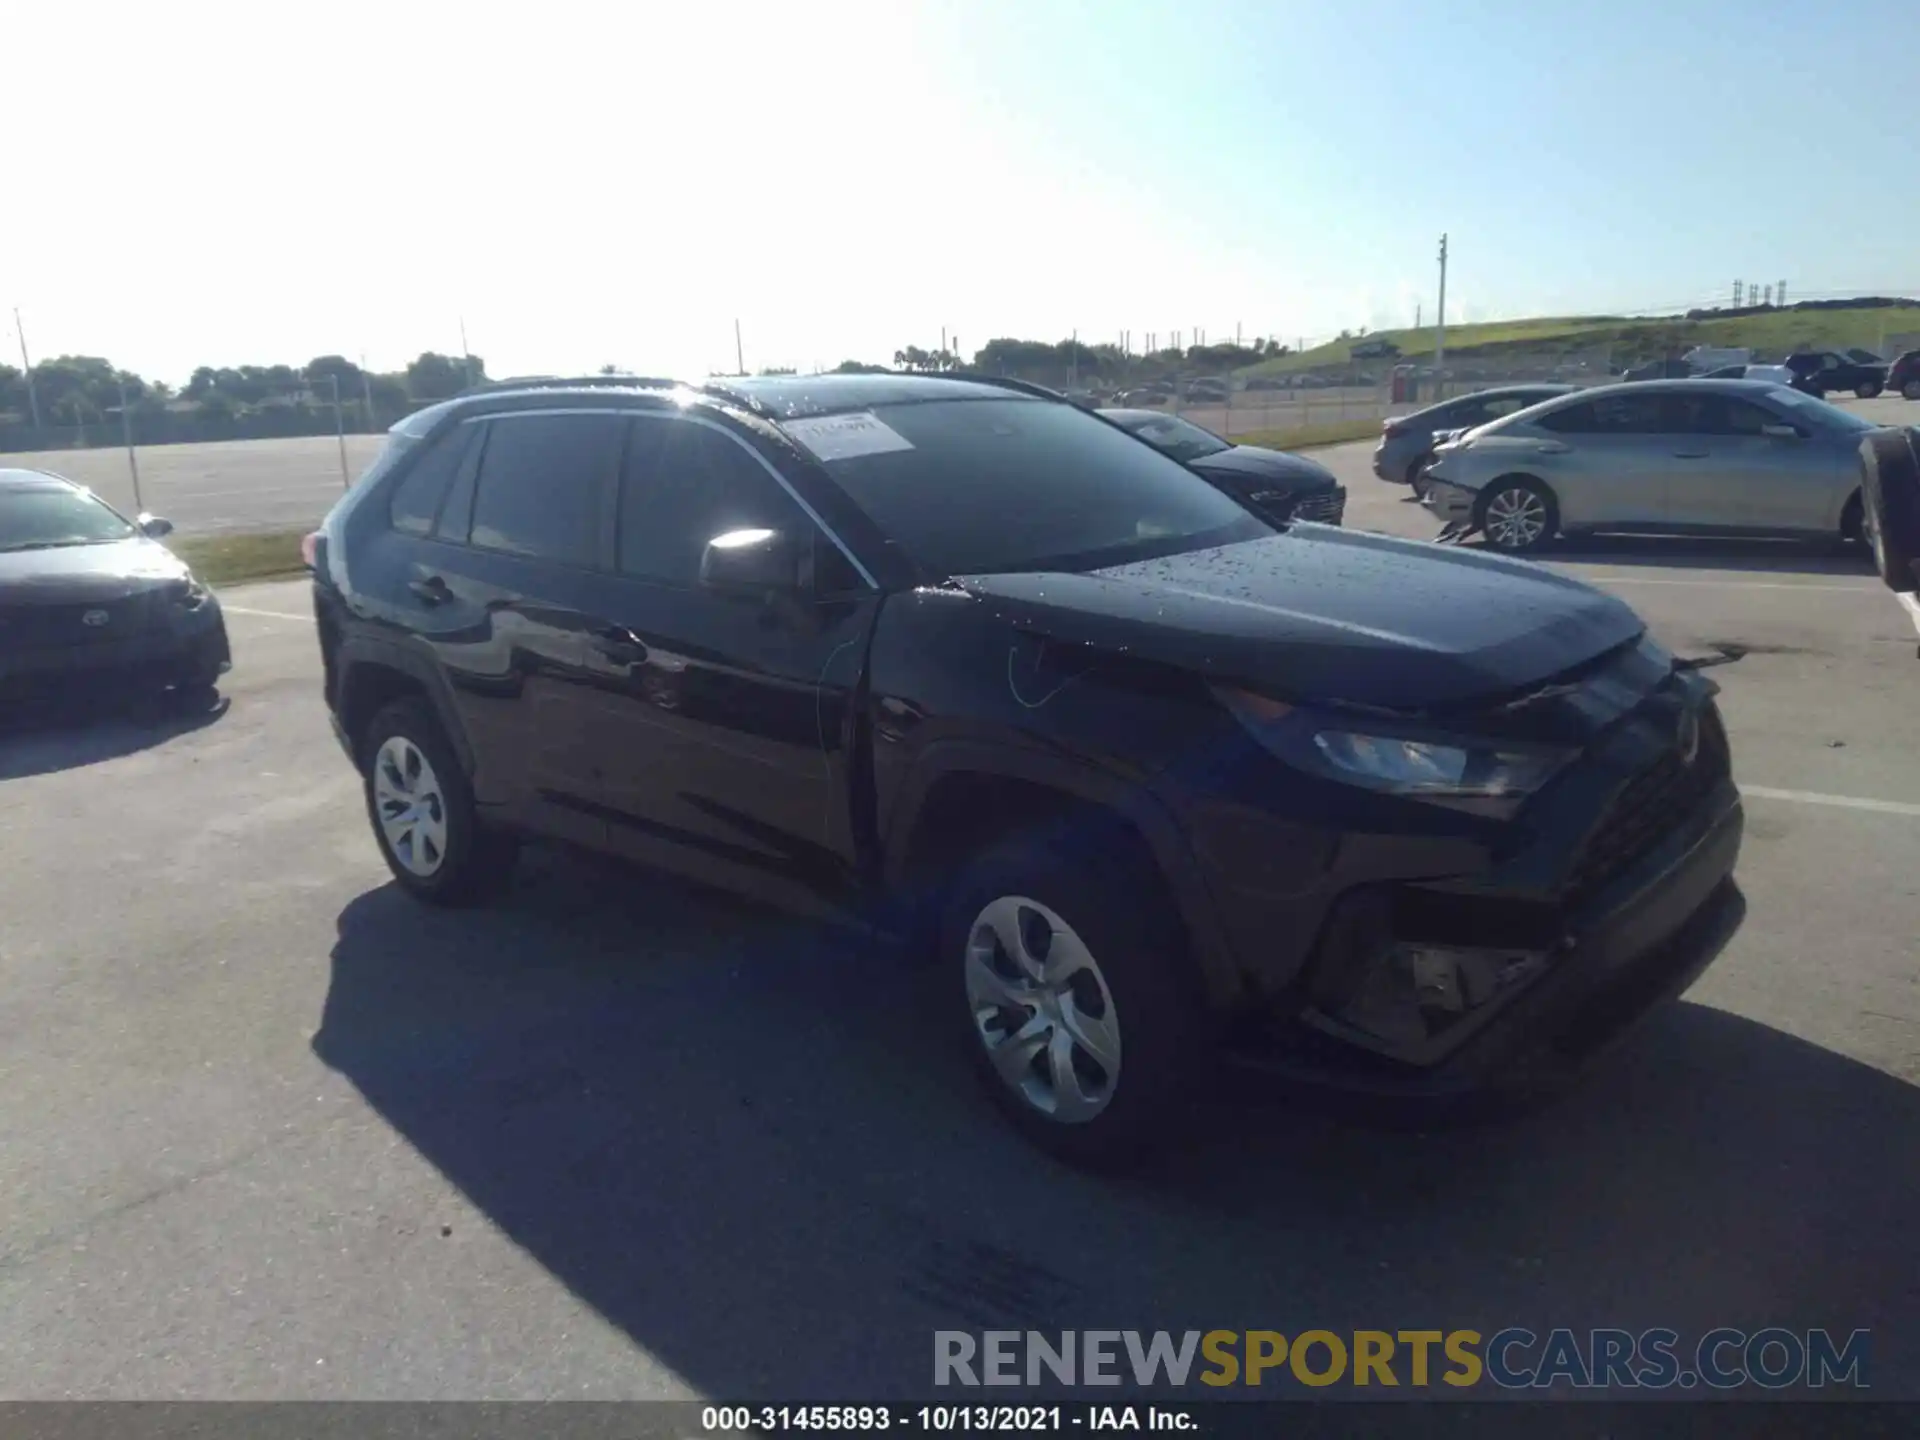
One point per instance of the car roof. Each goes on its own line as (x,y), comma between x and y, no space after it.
(1122,413)
(789,397)
(34,479)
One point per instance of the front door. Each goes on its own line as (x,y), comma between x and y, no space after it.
(1749,480)
(720,722)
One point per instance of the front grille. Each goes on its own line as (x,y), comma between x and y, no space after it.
(1327,507)
(29,627)
(1652,806)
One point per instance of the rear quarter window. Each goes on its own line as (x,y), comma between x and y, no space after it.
(417,498)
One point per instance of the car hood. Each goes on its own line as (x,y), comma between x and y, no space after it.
(1250,462)
(82,573)
(1320,614)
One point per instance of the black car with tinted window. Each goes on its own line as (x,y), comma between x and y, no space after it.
(1281,487)
(92,604)
(1149,777)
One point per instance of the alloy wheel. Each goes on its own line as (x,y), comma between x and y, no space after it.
(410,805)
(1515,519)
(1042,1010)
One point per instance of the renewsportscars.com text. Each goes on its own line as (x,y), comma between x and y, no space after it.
(1512,1358)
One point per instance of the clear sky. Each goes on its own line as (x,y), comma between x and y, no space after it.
(586,184)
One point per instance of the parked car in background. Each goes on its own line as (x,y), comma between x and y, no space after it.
(1731,457)
(1772,374)
(1903,376)
(1406,442)
(1703,358)
(1145,395)
(1668,369)
(1208,392)
(90,601)
(1141,776)
(1281,487)
(1821,372)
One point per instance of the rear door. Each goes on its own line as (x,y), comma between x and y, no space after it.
(502,595)
(1608,459)
(720,722)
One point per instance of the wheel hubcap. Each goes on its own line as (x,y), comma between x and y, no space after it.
(1042,1009)
(410,806)
(1515,519)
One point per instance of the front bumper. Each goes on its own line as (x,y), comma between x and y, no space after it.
(191,647)
(1655,939)
(1450,504)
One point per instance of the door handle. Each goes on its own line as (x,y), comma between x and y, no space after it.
(432,589)
(1689,454)
(617,642)
(1551,449)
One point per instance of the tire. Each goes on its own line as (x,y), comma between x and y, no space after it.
(1417,476)
(1535,515)
(1867,391)
(1911,390)
(1011,921)
(1890,486)
(447,856)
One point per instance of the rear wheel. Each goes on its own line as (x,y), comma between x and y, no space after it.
(1518,515)
(423,813)
(1911,389)
(1081,1012)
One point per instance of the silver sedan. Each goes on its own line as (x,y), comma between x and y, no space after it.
(1676,457)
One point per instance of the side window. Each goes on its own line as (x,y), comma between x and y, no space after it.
(542,482)
(1571,420)
(456,512)
(686,483)
(416,499)
(1647,413)
(1505,405)
(1737,417)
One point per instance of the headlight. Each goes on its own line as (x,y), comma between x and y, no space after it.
(1444,769)
(190,594)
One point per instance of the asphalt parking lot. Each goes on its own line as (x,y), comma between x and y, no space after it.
(273,1131)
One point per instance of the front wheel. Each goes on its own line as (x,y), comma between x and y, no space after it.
(1081,1014)
(1519,516)
(1867,391)
(1911,390)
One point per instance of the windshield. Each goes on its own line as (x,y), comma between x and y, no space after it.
(1181,439)
(1819,412)
(968,487)
(41,517)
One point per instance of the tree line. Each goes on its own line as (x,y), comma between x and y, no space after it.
(85,400)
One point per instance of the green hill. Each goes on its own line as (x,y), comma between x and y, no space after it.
(1770,334)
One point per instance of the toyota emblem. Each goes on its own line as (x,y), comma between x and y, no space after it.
(1689,737)
(95,618)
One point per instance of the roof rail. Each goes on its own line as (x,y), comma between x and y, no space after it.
(574,382)
(1005,382)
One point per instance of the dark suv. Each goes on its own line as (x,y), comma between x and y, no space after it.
(1821,372)
(954,659)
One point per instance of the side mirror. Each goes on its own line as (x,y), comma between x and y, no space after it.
(154,526)
(757,562)
(1780,432)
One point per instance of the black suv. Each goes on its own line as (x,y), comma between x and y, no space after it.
(1821,372)
(954,659)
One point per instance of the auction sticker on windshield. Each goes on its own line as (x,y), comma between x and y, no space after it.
(847,437)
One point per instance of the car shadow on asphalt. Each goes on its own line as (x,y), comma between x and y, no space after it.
(758,1151)
(71,733)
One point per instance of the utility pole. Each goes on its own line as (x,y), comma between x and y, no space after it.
(739,355)
(340,433)
(1440,330)
(133,460)
(466,356)
(33,395)
(366,394)
(1417,313)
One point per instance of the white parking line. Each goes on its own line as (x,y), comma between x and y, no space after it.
(1844,802)
(267,614)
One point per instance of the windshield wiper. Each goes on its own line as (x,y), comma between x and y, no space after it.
(44,545)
